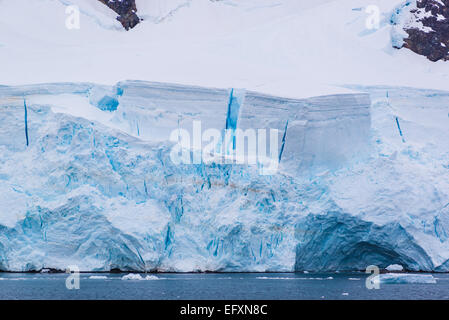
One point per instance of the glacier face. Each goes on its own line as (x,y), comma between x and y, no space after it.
(96,186)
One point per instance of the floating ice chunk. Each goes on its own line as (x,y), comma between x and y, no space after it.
(394,267)
(98,277)
(403,278)
(132,276)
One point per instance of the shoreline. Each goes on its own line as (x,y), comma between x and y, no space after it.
(222,272)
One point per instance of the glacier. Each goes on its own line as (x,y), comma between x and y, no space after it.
(95,186)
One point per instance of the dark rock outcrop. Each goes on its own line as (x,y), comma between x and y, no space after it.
(432,38)
(126,10)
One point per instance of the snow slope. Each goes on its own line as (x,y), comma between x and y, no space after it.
(283,47)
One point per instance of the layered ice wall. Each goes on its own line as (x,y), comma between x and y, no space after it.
(92,190)
(153,110)
(316,134)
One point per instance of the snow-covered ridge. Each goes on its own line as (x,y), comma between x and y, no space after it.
(281,47)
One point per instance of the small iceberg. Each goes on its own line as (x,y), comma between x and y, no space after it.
(394,267)
(98,277)
(133,276)
(403,278)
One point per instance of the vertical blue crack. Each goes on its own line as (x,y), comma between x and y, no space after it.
(399,128)
(234,104)
(228,116)
(26,122)
(283,141)
(145,187)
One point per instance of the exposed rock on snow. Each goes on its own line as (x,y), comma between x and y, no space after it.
(126,10)
(426,23)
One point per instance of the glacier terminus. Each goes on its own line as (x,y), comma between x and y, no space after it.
(86,179)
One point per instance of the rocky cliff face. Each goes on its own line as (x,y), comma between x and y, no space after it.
(428,29)
(126,10)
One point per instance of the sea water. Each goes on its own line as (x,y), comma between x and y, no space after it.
(238,286)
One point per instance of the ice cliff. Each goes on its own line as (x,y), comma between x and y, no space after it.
(95,186)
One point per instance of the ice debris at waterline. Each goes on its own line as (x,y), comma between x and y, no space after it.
(403,278)
(96,186)
(394,267)
(132,276)
(98,277)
